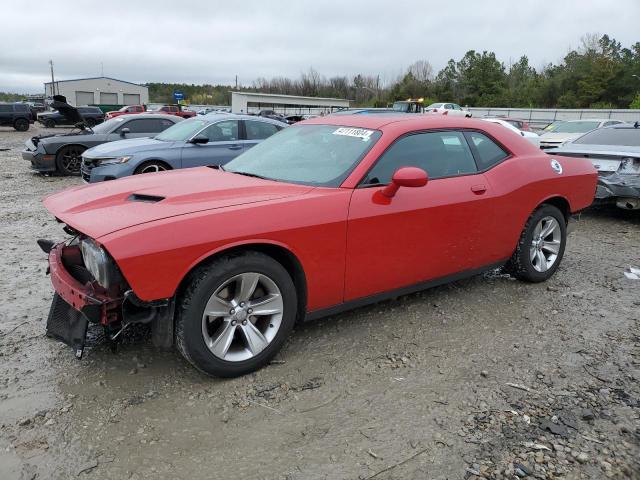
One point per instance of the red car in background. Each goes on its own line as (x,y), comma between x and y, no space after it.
(327,215)
(172,110)
(126,110)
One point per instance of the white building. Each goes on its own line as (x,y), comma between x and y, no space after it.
(247,102)
(98,90)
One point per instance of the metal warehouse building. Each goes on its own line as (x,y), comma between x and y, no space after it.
(98,90)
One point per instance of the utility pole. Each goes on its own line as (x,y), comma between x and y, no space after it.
(236,82)
(101,69)
(53,82)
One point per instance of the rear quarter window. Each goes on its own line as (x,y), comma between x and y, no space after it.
(486,151)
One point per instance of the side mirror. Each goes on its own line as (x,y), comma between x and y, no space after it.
(522,133)
(199,139)
(405,177)
(124,131)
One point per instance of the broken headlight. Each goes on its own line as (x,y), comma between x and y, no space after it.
(100,265)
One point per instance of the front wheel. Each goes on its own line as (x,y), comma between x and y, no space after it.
(235,314)
(48,123)
(541,245)
(21,125)
(69,159)
(151,167)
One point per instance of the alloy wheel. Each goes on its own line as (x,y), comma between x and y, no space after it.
(242,317)
(71,159)
(545,244)
(153,167)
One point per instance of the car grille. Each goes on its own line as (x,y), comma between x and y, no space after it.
(87,165)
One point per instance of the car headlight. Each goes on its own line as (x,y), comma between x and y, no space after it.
(99,263)
(115,160)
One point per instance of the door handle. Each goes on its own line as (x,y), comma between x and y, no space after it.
(235,147)
(478,189)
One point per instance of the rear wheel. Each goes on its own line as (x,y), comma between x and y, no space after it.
(541,245)
(21,124)
(69,159)
(151,167)
(235,314)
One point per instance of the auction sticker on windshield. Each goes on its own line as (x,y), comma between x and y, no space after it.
(362,133)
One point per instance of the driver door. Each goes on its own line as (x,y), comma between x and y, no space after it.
(422,233)
(223,146)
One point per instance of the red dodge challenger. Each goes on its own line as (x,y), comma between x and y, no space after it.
(330,214)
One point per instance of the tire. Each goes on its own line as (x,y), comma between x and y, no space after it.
(218,345)
(69,160)
(537,257)
(21,124)
(151,167)
(48,123)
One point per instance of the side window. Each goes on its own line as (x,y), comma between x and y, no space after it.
(610,123)
(21,107)
(141,126)
(456,106)
(448,106)
(440,154)
(222,131)
(259,130)
(488,153)
(4,108)
(164,124)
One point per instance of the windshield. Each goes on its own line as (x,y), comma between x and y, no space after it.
(575,127)
(401,106)
(181,131)
(106,127)
(552,126)
(629,137)
(318,155)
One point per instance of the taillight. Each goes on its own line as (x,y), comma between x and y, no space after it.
(435,110)
(446,112)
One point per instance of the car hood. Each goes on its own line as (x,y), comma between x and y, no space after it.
(99,209)
(67,111)
(127,146)
(559,136)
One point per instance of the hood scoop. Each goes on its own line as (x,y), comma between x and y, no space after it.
(141,197)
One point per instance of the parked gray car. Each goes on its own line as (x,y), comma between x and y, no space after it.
(212,139)
(615,153)
(62,153)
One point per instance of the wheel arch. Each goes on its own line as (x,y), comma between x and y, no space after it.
(65,145)
(154,160)
(278,251)
(561,203)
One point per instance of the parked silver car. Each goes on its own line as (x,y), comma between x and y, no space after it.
(615,153)
(572,129)
(212,139)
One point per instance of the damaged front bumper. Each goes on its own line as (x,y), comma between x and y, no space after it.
(621,189)
(78,299)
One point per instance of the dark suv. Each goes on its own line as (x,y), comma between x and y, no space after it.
(90,115)
(16,115)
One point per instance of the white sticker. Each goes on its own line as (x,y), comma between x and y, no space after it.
(354,132)
(556,166)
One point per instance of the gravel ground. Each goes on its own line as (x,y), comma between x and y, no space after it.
(486,378)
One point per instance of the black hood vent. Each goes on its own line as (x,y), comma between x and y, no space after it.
(141,197)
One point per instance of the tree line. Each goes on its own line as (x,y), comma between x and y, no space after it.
(600,73)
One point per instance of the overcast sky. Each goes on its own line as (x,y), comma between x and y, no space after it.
(210,41)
